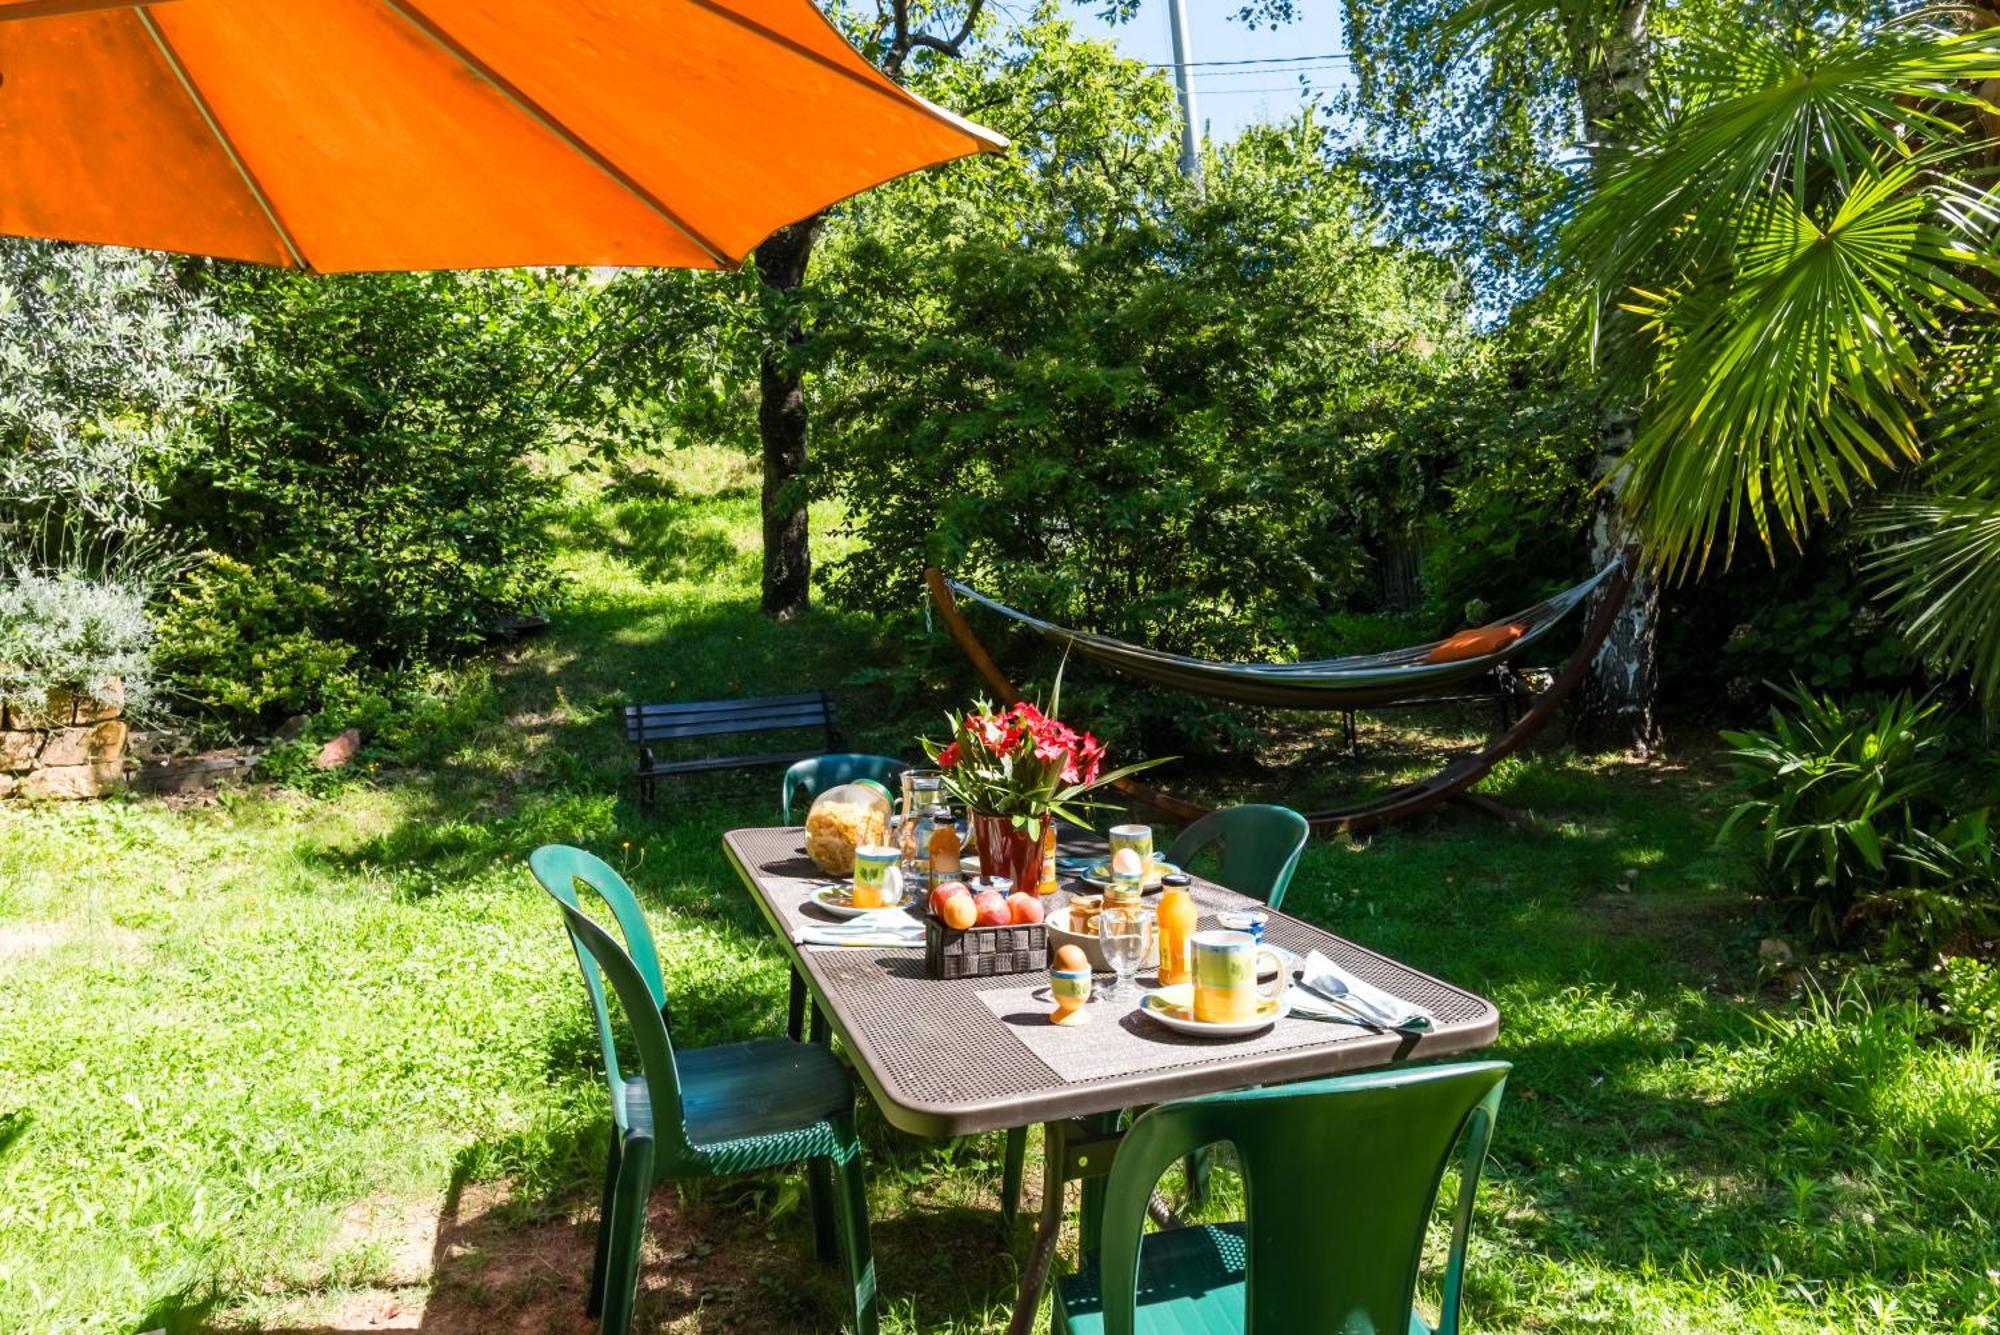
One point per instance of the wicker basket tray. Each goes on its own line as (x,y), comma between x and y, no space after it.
(980,952)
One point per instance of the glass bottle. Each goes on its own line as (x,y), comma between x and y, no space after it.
(1178,922)
(944,846)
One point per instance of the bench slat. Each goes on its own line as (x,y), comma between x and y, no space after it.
(768,722)
(701,708)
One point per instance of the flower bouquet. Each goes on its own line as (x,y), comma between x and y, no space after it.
(1016,769)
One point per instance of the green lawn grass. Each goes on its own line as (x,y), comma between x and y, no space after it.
(318,1064)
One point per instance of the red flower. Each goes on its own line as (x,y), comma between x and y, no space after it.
(993,732)
(948,758)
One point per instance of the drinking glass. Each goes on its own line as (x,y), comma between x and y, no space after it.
(1127,935)
(922,790)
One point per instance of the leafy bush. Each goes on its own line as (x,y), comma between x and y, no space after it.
(66,629)
(1809,619)
(1864,815)
(244,642)
(107,364)
(372,485)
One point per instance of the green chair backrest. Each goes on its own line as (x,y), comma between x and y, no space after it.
(633,970)
(812,776)
(1339,1177)
(1260,848)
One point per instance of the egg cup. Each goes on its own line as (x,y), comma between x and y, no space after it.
(1071,990)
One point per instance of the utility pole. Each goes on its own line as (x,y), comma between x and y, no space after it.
(1184,80)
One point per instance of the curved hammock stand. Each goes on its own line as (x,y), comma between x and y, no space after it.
(1373,680)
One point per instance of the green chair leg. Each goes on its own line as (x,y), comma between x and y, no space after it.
(1195,1166)
(795,1008)
(1010,1176)
(628,1233)
(819,1193)
(853,1180)
(593,1305)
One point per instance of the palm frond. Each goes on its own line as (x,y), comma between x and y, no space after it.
(1757,113)
(1938,560)
(1798,376)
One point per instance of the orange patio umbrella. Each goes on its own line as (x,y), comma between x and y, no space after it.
(341,135)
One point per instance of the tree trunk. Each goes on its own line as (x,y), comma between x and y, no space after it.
(781,421)
(1615,708)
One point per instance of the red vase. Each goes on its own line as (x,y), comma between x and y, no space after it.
(1006,849)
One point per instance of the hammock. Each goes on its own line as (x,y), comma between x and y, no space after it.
(1323,684)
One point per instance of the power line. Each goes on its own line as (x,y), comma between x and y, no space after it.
(1278,88)
(1253,74)
(1264,60)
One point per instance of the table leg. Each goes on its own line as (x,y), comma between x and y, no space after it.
(1054,1191)
(1079,1148)
(795,1010)
(1010,1178)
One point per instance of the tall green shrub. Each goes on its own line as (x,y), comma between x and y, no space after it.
(373,483)
(1077,382)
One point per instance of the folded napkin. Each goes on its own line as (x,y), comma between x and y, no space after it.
(882,927)
(1322,978)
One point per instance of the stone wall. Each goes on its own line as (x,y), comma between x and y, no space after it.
(71,747)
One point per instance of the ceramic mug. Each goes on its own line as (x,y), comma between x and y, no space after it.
(878,880)
(1225,977)
(1071,989)
(1138,838)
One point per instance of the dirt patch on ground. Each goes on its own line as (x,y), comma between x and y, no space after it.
(487,1265)
(21,940)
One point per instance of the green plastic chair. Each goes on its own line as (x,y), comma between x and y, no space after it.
(1260,851)
(1340,1178)
(705,1112)
(1260,848)
(812,776)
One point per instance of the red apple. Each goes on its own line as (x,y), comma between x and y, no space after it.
(944,891)
(1024,908)
(992,909)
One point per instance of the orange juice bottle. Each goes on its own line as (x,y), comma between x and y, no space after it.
(1178,919)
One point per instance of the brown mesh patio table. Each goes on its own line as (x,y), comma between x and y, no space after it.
(978,1054)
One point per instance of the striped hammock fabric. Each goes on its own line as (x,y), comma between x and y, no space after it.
(1324,684)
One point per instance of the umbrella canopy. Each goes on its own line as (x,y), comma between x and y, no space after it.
(341,135)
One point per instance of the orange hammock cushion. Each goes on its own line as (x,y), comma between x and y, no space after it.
(1476,643)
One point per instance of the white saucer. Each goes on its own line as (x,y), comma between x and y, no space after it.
(1172,1007)
(839,901)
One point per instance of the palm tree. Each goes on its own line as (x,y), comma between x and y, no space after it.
(1804,229)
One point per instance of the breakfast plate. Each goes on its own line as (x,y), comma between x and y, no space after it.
(839,901)
(1174,1008)
(1098,873)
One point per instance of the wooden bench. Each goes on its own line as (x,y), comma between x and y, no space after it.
(648,726)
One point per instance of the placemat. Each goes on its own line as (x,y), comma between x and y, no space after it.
(1118,1042)
(789,884)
